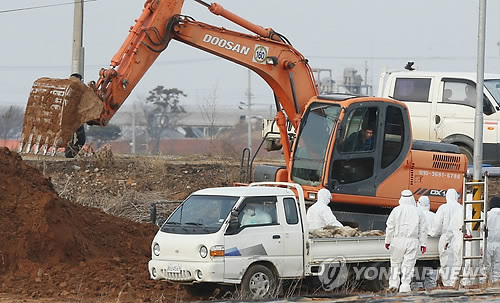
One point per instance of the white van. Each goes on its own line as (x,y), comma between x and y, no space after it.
(442,107)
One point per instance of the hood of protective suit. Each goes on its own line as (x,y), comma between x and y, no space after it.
(324,196)
(451,196)
(424,203)
(407,198)
(495,202)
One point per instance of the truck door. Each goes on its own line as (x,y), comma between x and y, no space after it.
(259,236)
(417,94)
(293,231)
(454,117)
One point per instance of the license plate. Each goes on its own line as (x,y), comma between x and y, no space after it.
(174,268)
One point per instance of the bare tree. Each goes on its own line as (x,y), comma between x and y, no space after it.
(162,111)
(104,134)
(11,122)
(208,109)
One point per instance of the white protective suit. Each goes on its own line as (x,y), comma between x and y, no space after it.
(448,223)
(319,214)
(493,245)
(255,215)
(405,232)
(424,205)
(429,274)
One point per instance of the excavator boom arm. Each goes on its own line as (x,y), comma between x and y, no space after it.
(285,70)
(269,55)
(279,64)
(146,40)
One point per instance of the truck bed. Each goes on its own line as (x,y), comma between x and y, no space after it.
(361,249)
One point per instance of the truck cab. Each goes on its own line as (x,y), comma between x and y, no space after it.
(442,107)
(234,235)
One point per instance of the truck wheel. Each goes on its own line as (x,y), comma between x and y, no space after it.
(467,152)
(201,290)
(258,282)
(381,281)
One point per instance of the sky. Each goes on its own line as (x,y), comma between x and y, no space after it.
(375,35)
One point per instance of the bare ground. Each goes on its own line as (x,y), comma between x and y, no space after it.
(78,230)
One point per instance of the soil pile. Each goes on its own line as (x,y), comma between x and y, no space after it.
(53,247)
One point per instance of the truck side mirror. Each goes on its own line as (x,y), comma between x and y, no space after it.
(234,222)
(487,107)
(153,213)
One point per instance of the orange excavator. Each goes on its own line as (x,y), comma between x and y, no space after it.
(365,173)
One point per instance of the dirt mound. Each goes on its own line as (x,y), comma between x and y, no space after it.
(41,227)
(53,247)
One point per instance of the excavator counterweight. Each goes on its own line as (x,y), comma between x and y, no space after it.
(56,109)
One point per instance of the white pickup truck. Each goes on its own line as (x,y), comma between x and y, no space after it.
(256,237)
(442,107)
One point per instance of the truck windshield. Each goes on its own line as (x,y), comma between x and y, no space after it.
(318,123)
(199,215)
(493,86)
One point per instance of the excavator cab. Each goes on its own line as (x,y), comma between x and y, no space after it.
(361,149)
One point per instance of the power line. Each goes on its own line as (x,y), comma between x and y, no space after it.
(214,59)
(42,6)
(45,67)
(400,57)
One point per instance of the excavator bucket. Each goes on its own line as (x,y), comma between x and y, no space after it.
(56,109)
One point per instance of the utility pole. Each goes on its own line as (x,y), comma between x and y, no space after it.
(133,129)
(478,131)
(366,78)
(78,51)
(498,43)
(249,116)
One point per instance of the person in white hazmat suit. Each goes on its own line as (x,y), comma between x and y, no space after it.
(429,274)
(320,214)
(493,242)
(447,224)
(424,205)
(406,231)
(253,214)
